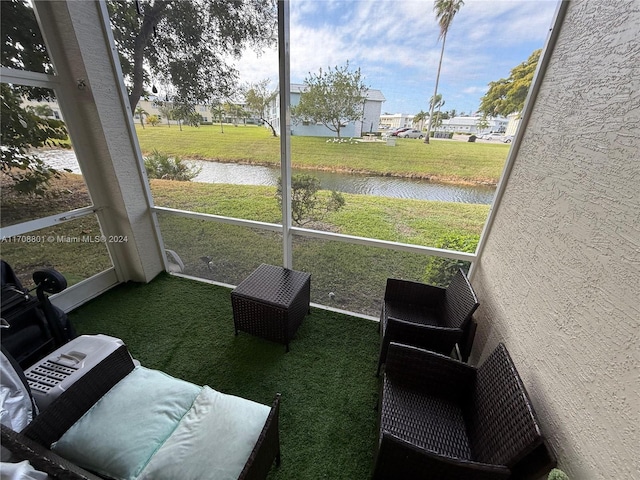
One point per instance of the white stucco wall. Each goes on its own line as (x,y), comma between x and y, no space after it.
(99,121)
(559,279)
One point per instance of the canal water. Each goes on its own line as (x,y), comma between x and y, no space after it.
(231,173)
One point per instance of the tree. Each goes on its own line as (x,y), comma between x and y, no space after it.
(508,95)
(305,205)
(187,43)
(436,102)
(153,120)
(258,97)
(419,119)
(23,48)
(141,112)
(182,111)
(482,124)
(22,131)
(333,98)
(42,111)
(166,109)
(217,110)
(445,11)
(22,43)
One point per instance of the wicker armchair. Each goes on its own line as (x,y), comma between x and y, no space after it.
(427,316)
(442,419)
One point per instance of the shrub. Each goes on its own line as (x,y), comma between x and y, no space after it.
(439,270)
(160,165)
(153,120)
(305,205)
(557,474)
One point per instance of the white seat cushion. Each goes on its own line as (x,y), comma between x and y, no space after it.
(213,441)
(120,433)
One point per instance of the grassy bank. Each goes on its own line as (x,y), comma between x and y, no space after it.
(393,219)
(356,274)
(441,160)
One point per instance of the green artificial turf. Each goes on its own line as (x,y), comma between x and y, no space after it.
(327,380)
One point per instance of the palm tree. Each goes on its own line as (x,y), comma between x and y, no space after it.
(142,112)
(445,11)
(419,119)
(436,102)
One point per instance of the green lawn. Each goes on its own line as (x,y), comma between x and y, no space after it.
(355,273)
(441,160)
(419,222)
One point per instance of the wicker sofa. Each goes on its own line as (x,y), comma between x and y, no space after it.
(441,419)
(83,397)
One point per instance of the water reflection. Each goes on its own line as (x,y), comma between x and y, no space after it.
(231,173)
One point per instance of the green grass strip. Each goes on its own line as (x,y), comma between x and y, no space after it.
(441,160)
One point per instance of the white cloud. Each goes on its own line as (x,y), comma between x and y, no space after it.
(395,43)
(475,90)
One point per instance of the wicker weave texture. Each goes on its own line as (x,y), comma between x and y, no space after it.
(266,449)
(426,421)
(438,375)
(429,317)
(271,303)
(450,420)
(460,302)
(41,458)
(503,426)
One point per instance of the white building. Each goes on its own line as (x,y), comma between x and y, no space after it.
(51,103)
(471,125)
(369,122)
(389,121)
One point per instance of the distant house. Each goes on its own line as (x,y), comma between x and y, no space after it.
(471,125)
(369,122)
(389,121)
(153,105)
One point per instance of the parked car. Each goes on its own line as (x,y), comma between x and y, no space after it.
(395,132)
(411,134)
(494,136)
(507,138)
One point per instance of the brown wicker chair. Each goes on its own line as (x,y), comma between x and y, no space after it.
(442,419)
(427,316)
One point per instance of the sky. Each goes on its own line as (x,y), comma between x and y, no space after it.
(396,45)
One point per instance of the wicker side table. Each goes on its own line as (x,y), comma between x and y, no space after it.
(271,303)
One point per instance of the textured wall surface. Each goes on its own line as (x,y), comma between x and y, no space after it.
(559,279)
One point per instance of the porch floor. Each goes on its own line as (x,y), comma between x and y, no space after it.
(327,380)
